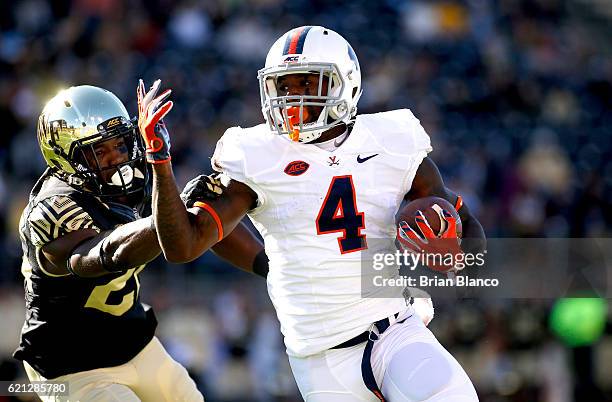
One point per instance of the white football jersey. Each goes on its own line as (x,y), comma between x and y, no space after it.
(316,210)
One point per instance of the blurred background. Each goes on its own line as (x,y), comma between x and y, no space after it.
(516,96)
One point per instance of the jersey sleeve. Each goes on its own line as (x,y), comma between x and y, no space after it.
(417,145)
(53,217)
(420,139)
(229,159)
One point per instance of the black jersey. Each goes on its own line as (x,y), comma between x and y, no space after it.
(75,324)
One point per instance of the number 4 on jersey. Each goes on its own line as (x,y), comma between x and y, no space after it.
(339,214)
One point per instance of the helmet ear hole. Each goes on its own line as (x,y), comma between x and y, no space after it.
(354,92)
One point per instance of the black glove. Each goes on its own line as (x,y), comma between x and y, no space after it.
(202,188)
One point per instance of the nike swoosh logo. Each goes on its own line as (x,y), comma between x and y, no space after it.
(361,160)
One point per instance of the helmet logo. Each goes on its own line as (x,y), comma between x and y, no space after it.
(291,59)
(296,168)
(110,123)
(113,122)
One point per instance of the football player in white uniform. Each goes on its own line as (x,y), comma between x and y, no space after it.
(318,181)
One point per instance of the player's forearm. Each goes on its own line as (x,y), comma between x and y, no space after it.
(128,246)
(180,236)
(241,248)
(474,239)
(133,244)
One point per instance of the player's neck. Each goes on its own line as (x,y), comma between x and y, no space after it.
(331,134)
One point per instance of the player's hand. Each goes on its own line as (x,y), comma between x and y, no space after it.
(421,302)
(151,111)
(440,252)
(201,188)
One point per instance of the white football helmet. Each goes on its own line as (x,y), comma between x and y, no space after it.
(308,50)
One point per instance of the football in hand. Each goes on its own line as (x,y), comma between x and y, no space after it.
(432,208)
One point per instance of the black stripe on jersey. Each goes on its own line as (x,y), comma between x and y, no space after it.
(42,232)
(49,219)
(85,223)
(58,214)
(73,214)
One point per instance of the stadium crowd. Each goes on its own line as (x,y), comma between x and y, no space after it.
(514,94)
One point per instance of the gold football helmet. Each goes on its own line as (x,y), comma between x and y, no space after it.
(75,124)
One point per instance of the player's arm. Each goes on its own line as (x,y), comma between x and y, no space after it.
(241,247)
(244,250)
(88,253)
(183,234)
(428,182)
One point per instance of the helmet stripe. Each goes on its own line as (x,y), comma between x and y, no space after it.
(294,44)
(287,44)
(300,44)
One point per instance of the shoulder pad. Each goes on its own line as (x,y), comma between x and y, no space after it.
(397,131)
(236,142)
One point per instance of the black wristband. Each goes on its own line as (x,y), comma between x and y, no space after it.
(260,264)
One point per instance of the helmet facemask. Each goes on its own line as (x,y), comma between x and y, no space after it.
(288,115)
(120,179)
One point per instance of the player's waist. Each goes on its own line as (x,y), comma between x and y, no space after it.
(318,331)
(379,326)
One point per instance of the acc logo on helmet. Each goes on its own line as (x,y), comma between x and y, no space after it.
(291,59)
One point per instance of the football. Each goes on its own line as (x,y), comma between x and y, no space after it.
(432,208)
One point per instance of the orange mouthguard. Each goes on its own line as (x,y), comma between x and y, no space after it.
(293,112)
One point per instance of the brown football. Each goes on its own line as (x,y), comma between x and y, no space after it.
(432,208)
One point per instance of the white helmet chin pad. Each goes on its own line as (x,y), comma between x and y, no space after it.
(125,175)
(310,50)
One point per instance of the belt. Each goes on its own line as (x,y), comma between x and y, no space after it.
(370,337)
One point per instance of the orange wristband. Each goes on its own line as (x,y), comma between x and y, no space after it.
(459,203)
(212,213)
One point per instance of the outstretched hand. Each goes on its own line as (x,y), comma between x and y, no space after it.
(151,111)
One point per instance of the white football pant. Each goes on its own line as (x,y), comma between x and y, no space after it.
(408,362)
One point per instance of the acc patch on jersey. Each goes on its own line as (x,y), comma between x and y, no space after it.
(296,168)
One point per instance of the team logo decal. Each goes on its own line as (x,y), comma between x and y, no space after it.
(291,59)
(296,168)
(333,160)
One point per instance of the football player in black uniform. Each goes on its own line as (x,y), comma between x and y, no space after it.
(87,234)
